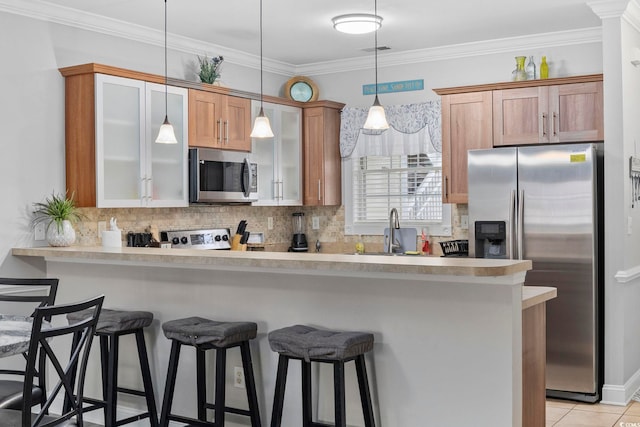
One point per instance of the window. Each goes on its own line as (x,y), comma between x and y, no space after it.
(410,183)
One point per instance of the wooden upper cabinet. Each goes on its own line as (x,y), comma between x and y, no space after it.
(219,121)
(466,125)
(548,114)
(322,162)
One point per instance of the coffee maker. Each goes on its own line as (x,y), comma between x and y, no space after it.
(299,242)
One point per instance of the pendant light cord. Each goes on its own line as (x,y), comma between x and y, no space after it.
(261,90)
(375,12)
(166,104)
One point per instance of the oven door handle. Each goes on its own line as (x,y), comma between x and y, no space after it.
(246,178)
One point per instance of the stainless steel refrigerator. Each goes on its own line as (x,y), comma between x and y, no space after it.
(544,203)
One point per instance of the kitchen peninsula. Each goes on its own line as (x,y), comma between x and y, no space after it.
(448,331)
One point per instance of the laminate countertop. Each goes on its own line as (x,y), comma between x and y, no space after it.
(318,262)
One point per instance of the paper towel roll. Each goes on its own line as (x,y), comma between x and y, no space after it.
(111,239)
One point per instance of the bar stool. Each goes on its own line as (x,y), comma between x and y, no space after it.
(205,334)
(308,345)
(112,324)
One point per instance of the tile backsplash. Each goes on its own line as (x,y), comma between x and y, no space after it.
(330,234)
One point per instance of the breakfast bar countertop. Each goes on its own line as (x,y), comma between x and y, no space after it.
(319,263)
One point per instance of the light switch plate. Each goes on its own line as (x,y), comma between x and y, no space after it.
(315,223)
(464,222)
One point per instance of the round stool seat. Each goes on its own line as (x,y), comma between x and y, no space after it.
(116,320)
(197,331)
(306,342)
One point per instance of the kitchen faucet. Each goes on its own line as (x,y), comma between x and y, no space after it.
(394,224)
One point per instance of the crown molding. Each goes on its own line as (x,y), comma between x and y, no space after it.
(536,41)
(608,8)
(45,11)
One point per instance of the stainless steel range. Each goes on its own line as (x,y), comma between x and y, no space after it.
(212,239)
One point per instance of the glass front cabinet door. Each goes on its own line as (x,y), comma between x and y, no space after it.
(131,169)
(279,158)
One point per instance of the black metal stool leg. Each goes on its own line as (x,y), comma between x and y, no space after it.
(201,384)
(365,394)
(278,397)
(146,379)
(221,364)
(112,384)
(307,407)
(170,386)
(250,384)
(339,393)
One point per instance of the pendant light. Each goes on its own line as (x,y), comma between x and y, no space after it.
(261,127)
(166,135)
(376,120)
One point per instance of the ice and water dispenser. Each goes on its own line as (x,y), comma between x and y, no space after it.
(491,239)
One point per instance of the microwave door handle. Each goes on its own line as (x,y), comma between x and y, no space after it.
(246,177)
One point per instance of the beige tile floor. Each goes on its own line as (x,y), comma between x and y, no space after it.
(562,413)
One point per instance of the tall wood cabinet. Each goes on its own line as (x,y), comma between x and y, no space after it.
(219,121)
(560,110)
(466,125)
(322,162)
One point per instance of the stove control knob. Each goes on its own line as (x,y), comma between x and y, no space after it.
(175,240)
(184,240)
(225,237)
(218,238)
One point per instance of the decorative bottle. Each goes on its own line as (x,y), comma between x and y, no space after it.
(519,73)
(544,68)
(531,69)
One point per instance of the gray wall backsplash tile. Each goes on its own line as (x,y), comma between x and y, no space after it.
(330,234)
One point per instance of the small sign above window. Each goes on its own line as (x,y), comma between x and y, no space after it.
(390,87)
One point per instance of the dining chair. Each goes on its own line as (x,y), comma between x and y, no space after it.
(68,364)
(24,294)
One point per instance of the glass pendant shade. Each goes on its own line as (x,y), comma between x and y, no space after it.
(166,135)
(376,120)
(261,127)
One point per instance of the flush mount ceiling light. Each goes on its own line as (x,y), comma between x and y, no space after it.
(357,23)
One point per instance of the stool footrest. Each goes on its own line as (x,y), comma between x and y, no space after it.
(131,391)
(316,424)
(132,419)
(190,421)
(230,410)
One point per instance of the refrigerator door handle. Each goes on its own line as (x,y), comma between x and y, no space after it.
(520,236)
(512,222)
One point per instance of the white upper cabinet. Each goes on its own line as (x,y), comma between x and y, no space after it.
(279,158)
(131,169)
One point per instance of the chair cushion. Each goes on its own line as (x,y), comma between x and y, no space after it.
(306,342)
(198,331)
(115,320)
(11,394)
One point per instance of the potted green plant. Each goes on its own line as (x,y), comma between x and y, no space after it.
(210,68)
(59,213)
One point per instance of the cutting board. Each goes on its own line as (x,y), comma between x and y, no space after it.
(407,237)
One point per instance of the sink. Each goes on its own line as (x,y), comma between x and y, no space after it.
(383,253)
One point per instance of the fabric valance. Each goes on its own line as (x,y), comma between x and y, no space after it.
(414,129)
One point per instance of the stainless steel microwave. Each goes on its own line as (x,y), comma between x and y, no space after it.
(218,176)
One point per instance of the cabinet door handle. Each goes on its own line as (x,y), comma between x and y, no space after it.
(219,131)
(544,124)
(446,188)
(555,120)
(226,132)
(319,198)
(281,192)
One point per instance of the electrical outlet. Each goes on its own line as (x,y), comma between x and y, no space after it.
(464,222)
(270,223)
(238,377)
(315,221)
(102,226)
(39,231)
